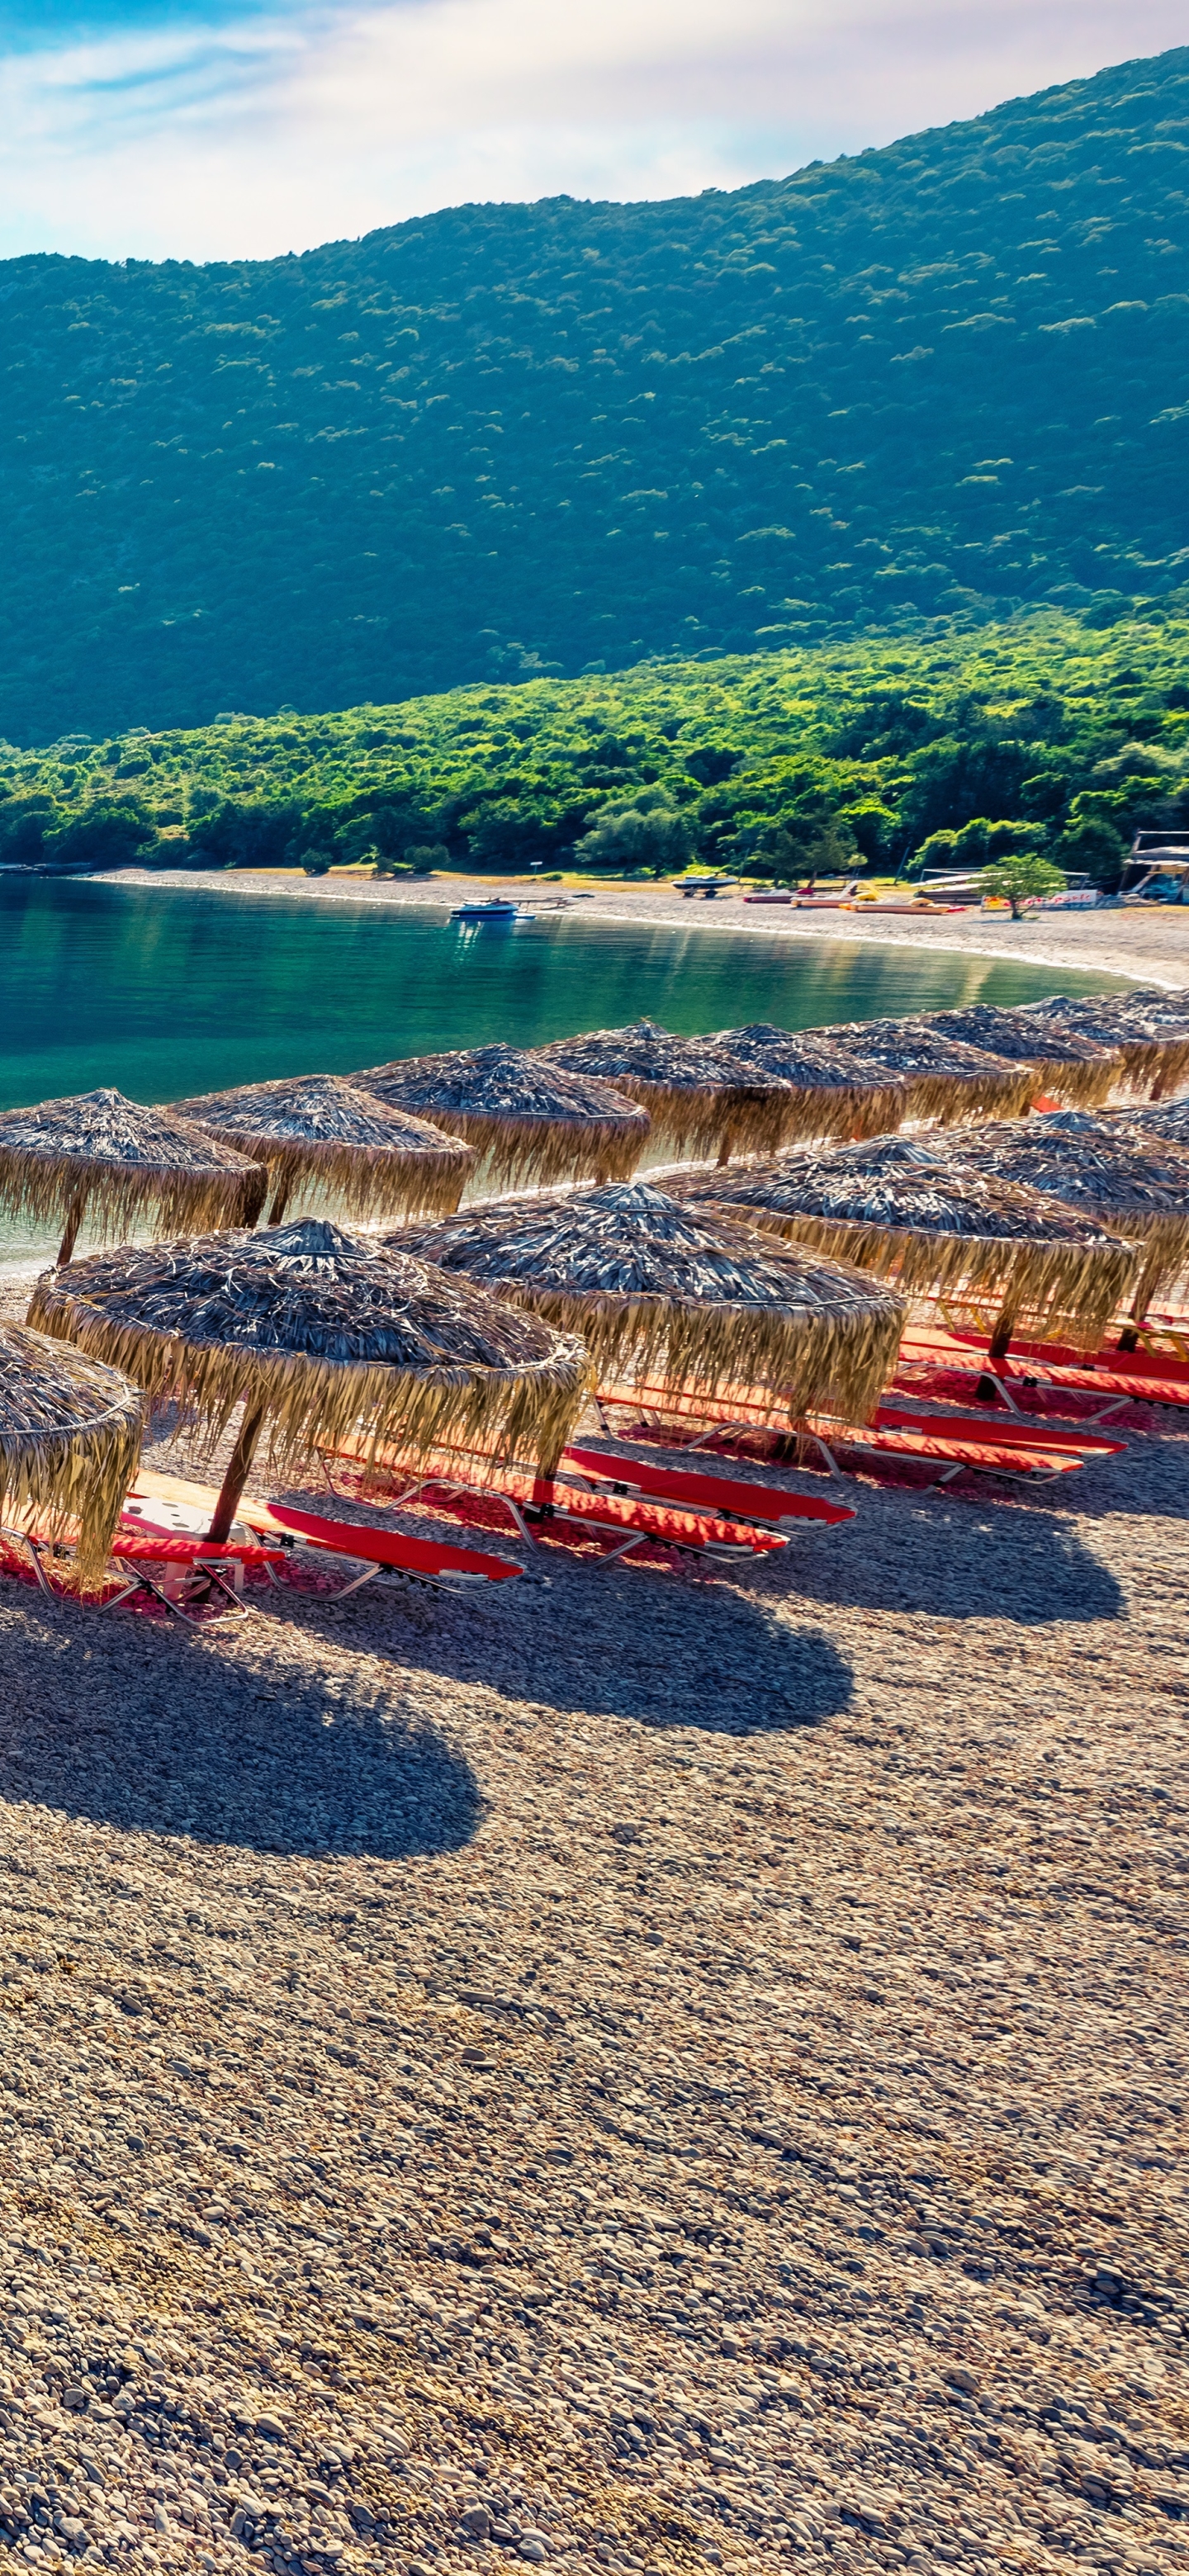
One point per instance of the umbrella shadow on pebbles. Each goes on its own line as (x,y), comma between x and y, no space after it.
(739,1667)
(963,1560)
(260,1753)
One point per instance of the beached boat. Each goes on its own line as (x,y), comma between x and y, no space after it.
(492,908)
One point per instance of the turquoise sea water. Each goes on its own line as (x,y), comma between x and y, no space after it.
(164,992)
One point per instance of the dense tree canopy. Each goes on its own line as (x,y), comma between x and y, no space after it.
(1040,736)
(918,387)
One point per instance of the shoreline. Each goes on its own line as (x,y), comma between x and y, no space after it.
(1138,947)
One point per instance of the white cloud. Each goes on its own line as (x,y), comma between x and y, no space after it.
(270,134)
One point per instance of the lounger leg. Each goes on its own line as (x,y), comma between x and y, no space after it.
(21,1538)
(140,1580)
(817,1442)
(1002,1389)
(119,1597)
(368,1576)
(219,1583)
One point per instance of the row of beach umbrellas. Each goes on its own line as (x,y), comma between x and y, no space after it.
(406,1138)
(491,1324)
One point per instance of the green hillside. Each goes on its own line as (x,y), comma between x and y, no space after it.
(928,383)
(1065,737)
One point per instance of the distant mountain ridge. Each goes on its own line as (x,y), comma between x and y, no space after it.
(949,379)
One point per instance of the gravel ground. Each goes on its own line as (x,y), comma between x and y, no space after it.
(1149,944)
(663,2071)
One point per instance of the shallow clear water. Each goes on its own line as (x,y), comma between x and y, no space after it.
(164,992)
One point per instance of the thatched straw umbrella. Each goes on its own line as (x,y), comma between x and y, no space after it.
(1062,1060)
(652,1285)
(101,1152)
(700,1098)
(532,1121)
(1106,1171)
(1169,1119)
(1148,1029)
(912,1212)
(834,1093)
(70,1435)
(318,1331)
(318,1128)
(944,1078)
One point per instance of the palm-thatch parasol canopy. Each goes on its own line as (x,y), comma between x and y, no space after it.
(103,1152)
(1078,1068)
(1168,1119)
(70,1435)
(911,1211)
(650,1284)
(316,1127)
(1148,1028)
(944,1078)
(532,1120)
(1104,1169)
(318,1330)
(834,1093)
(700,1098)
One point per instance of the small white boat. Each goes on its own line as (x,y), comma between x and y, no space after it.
(491,908)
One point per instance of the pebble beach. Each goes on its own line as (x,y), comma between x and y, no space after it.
(1146,942)
(663,2072)
(670,2069)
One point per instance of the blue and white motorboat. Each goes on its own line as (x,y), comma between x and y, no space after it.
(492,908)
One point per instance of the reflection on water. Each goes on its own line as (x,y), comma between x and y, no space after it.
(164,992)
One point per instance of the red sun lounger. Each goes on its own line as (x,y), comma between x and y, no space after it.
(1048,1369)
(151,1561)
(744,1500)
(982,1444)
(566,1504)
(288,1532)
(931,1440)
(1014,1430)
(422,1560)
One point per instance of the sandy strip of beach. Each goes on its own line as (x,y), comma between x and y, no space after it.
(1148,944)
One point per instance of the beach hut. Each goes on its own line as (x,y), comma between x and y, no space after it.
(101,1155)
(834,1092)
(1108,1171)
(1076,1068)
(315,1332)
(910,1211)
(531,1120)
(701,1099)
(944,1078)
(70,1436)
(657,1288)
(1149,1029)
(316,1130)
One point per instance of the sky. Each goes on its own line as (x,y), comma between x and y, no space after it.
(214,129)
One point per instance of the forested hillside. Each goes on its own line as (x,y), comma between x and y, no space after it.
(932,382)
(1060,737)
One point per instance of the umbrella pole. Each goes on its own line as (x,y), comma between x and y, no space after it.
(74,1218)
(237,1474)
(280,1201)
(1129,1337)
(724,1151)
(997,1349)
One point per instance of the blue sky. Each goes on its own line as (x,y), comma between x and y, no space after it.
(209,129)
